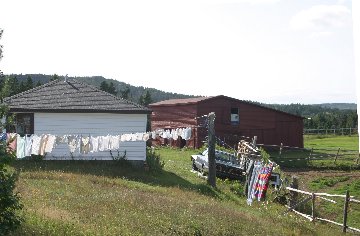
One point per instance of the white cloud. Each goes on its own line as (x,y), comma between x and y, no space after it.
(321,17)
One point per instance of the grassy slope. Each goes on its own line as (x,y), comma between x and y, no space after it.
(343,142)
(102,198)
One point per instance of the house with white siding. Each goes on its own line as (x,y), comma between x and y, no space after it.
(73,108)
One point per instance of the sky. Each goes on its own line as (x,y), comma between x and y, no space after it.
(272,51)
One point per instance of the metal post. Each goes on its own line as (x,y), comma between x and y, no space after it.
(346,204)
(337,154)
(313,206)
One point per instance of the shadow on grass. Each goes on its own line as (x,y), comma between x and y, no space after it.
(113,169)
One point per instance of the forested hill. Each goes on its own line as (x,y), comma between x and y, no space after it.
(135,92)
(317,116)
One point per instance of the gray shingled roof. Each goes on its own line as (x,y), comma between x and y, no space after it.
(70,96)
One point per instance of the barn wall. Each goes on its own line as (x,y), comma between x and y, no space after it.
(95,124)
(172,117)
(270,126)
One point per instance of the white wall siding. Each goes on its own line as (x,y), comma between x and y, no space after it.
(95,124)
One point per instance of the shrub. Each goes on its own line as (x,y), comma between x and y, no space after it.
(9,202)
(153,160)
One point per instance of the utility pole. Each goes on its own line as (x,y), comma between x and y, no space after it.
(211,150)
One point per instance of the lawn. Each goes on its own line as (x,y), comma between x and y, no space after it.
(321,153)
(111,198)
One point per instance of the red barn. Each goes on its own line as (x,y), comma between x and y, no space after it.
(234,118)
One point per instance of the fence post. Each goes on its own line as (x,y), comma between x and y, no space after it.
(293,195)
(312,149)
(337,154)
(313,207)
(346,204)
(280,150)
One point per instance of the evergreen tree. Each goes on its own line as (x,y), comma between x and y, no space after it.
(104,86)
(29,83)
(22,87)
(146,99)
(54,77)
(112,89)
(38,84)
(125,93)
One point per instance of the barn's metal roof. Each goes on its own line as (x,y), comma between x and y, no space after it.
(185,101)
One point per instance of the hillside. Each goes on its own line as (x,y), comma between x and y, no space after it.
(340,106)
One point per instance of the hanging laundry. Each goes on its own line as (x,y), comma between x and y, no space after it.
(263,182)
(146,137)
(28,145)
(20,148)
(114,142)
(35,148)
(174,134)
(11,142)
(43,142)
(3,137)
(72,142)
(50,143)
(86,145)
(253,182)
(94,144)
(104,143)
(186,134)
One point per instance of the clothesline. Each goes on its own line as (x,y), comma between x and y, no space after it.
(34,144)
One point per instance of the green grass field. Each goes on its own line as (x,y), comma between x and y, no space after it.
(105,198)
(320,153)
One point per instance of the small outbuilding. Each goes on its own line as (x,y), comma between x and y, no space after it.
(234,119)
(68,107)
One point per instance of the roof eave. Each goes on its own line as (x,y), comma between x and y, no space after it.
(24,110)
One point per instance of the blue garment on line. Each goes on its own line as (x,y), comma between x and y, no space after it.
(3,137)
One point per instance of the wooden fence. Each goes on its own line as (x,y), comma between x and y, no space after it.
(323,196)
(333,131)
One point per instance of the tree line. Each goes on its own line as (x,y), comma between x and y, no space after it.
(315,116)
(320,117)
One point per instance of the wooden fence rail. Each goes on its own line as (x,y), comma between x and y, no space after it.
(312,197)
(314,154)
(336,131)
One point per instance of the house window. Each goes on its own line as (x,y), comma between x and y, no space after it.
(24,124)
(234,117)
